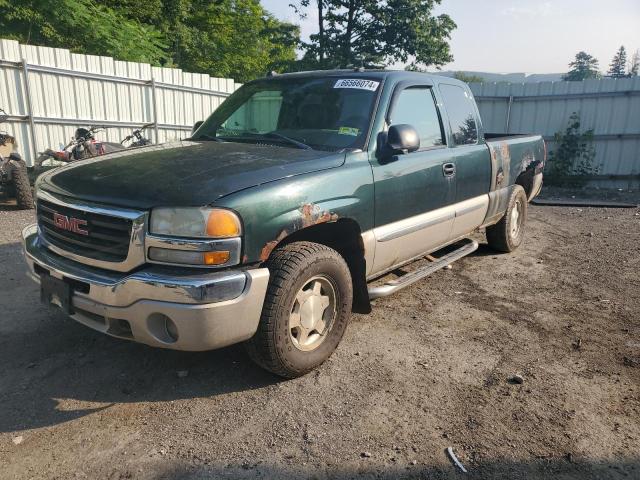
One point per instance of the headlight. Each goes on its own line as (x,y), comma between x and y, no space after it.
(210,236)
(195,222)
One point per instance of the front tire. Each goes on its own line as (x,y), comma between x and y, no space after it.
(306,309)
(508,233)
(22,187)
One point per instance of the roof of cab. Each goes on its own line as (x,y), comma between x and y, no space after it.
(398,75)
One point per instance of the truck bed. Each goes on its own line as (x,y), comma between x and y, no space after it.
(506,136)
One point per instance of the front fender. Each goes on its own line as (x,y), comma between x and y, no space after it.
(273,211)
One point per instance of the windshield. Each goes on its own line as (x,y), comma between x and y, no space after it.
(328,113)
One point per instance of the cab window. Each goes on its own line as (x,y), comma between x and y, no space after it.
(462,118)
(416,107)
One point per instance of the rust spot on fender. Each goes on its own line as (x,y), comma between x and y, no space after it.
(504,150)
(501,158)
(269,246)
(310,214)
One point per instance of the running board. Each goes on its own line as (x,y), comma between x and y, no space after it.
(393,286)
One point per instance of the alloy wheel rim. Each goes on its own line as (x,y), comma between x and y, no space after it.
(312,313)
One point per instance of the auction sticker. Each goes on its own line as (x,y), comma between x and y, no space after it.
(357,83)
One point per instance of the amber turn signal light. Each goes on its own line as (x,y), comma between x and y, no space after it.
(216,258)
(222,224)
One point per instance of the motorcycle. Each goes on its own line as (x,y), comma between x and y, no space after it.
(14,178)
(136,138)
(84,145)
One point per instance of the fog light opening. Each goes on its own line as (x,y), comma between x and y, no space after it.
(171,329)
(162,327)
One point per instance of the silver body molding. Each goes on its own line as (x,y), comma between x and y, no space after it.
(398,243)
(209,310)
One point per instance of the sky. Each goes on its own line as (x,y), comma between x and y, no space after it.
(509,36)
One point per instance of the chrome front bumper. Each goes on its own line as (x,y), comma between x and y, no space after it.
(205,310)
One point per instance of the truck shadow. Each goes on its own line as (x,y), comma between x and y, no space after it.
(543,469)
(55,370)
(484,250)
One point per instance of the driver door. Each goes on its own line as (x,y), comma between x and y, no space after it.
(413,191)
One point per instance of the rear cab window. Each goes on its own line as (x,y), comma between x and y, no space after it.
(462,117)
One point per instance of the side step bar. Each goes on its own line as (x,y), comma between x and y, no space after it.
(393,286)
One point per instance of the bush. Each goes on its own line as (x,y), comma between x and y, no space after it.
(572,160)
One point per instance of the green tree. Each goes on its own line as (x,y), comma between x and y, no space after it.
(583,67)
(618,66)
(82,26)
(572,158)
(234,38)
(373,33)
(224,38)
(634,67)
(463,77)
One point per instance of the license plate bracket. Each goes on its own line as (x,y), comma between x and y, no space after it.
(54,291)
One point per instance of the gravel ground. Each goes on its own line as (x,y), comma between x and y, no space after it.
(428,369)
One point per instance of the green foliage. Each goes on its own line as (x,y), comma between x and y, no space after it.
(583,67)
(572,159)
(81,26)
(224,38)
(463,77)
(236,39)
(618,66)
(373,33)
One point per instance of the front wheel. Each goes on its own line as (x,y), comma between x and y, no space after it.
(22,187)
(508,233)
(306,309)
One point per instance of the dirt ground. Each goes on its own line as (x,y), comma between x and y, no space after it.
(428,369)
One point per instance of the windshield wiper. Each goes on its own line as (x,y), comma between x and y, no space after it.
(204,136)
(289,140)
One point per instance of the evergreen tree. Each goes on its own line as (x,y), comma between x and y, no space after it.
(617,68)
(583,67)
(634,68)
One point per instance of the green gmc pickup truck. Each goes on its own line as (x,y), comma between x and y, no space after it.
(284,212)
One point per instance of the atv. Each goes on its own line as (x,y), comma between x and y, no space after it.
(14,178)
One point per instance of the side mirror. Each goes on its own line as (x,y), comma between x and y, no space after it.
(399,139)
(196,126)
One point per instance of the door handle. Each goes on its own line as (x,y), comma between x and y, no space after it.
(449,169)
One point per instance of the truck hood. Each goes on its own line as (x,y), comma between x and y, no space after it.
(184,173)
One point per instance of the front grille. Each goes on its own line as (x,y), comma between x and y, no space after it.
(107,239)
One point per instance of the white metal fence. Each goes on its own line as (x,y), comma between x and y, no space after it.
(49,92)
(611,107)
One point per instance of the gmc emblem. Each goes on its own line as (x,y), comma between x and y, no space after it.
(70,224)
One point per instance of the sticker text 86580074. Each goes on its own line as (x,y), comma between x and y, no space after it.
(357,83)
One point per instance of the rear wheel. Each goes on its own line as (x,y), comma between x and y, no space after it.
(22,187)
(306,309)
(508,233)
